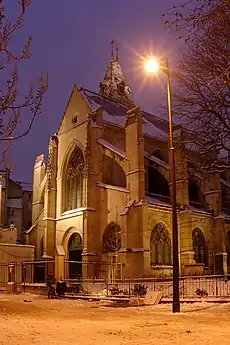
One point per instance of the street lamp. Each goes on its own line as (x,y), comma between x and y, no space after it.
(153,66)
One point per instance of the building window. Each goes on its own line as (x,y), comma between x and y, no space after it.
(73,181)
(160,246)
(199,246)
(112,238)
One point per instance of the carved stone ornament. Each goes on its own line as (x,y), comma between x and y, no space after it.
(160,234)
(75,242)
(49,166)
(76,164)
(112,238)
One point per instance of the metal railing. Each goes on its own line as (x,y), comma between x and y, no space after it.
(98,278)
(25,272)
(190,287)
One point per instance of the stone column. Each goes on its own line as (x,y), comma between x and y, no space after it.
(213,200)
(59,266)
(181,168)
(184,216)
(51,199)
(134,139)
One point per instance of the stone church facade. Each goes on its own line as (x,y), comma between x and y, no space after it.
(104,195)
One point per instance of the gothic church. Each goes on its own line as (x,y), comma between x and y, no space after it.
(105,193)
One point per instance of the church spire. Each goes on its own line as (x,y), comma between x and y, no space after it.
(114,49)
(114,85)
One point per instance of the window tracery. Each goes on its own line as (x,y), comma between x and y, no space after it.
(112,238)
(73,181)
(75,242)
(160,246)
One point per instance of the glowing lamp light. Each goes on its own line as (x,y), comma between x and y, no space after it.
(152,65)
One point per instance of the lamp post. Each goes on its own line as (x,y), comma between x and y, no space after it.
(152,66)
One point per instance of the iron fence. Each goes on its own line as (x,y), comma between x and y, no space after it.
(37,272)
(93,270)
(3,275)
(190,287)
(25,272)
(99,278)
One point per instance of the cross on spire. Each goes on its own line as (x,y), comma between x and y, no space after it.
(114,50)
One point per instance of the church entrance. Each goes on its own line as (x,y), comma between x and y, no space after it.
(75,257)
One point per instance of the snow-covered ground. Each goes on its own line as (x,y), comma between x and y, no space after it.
(40,321)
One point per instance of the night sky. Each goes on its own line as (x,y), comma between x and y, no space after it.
(71,41)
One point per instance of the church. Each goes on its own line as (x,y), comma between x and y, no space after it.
(104,195)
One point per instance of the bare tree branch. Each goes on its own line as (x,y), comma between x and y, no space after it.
(202,98)
(16,108)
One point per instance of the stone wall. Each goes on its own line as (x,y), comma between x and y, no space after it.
(8,235)
(16,252)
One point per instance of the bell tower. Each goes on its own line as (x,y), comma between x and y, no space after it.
(114,85)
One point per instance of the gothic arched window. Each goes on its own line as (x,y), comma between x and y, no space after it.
(112,238)
(73,181)
(199,246)
(160,246)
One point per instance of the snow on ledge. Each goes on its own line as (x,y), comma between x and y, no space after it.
(156,160)
(109,186)
(111,147)
(225,183)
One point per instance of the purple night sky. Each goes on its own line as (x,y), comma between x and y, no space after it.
(71,41)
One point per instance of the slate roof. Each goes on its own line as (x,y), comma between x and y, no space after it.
(115,112)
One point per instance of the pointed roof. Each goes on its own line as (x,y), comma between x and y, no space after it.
(114,113)
(114,85)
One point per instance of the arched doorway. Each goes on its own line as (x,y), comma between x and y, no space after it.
(75,256)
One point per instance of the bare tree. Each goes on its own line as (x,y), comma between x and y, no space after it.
(17,111)
(202,98)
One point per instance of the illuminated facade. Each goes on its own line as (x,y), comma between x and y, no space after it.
(105,191)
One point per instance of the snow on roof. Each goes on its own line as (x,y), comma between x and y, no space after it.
(225,183)
(115,113)
(157,160)
(112,147)
(31,229)
(155,201)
